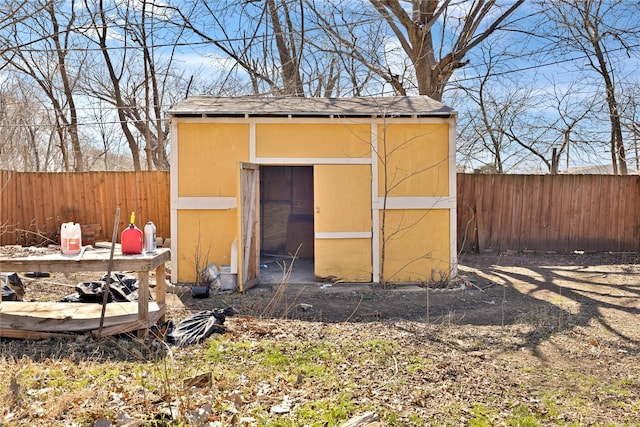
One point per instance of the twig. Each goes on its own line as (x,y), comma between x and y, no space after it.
(105,295)
(395,372)
(355,309)
(277,297)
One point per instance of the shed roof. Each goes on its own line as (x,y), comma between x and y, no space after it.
(261,106)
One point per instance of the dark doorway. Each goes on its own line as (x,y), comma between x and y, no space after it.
(286,220)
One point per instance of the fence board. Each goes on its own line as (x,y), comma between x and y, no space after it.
(500,234)
(593,227)
(628,208)
(544,213)
(552,213)
(34,205)
(575,197)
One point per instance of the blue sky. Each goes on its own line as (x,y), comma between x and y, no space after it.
(537,79)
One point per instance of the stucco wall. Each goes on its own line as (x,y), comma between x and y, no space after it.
(313,140)
(207,167)
(388,173)
(414,166)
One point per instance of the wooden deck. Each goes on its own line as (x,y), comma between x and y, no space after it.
(41,320)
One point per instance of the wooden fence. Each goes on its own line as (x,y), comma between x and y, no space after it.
(548,213)
(33,205)
(495,212)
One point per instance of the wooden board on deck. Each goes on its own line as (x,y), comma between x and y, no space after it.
(64,317)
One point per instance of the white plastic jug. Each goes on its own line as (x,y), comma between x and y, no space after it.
(150,238)
(70,238)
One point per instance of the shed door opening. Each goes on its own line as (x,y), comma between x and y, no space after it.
(286,217)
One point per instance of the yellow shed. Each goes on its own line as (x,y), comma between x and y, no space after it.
(363,187)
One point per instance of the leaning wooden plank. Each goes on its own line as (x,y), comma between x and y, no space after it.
(120,329)
(130,326)
(66,317)
(32,335)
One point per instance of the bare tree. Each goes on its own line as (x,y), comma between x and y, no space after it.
(275,46)
(290,45)
(138,50)
(146,29)
(101,26)
(11,14)
(518,127)
(494,103)
(597,29)
(435,36)
(27,132)
(630,115)
(48,64)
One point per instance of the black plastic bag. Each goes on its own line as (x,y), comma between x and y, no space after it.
(195,329)
(91,292)
(122,288)
(12,287)
(8,294)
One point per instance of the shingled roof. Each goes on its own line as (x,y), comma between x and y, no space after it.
(254,106)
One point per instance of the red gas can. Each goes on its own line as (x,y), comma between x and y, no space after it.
(131,238)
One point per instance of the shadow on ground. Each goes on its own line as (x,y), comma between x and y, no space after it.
(548,292)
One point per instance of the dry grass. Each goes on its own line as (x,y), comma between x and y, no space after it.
(409,373)
(524,363)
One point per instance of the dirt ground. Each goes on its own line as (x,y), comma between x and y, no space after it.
(554,335)
(491,289)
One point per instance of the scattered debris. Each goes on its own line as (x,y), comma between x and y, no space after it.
(304,307)
(200,291)
(282,408)
(12,287)
(211,276)
(376,315)
(368,419)
(464,283)
(37,274)
(201,381)
(200,416)
(209,279)
(176,289)
(488,285)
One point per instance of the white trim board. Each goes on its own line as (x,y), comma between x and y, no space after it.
(252,143)
(293,161)
(439,202)
(213,203)
(343,235)
(312,120)
(453,227)
(375,212)
(173,191)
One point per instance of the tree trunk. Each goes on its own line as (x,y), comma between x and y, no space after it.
(617,142)
(67,86)
(287,52)
(101,29)
(432,74)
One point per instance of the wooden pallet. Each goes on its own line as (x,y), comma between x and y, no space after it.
(41,320)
